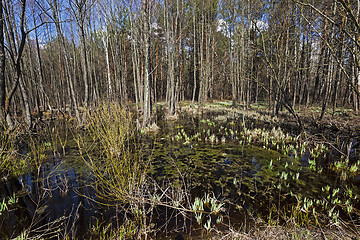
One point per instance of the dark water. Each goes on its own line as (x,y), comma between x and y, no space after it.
(249,179)
(58,195)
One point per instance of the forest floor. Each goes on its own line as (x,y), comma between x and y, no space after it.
(341,123)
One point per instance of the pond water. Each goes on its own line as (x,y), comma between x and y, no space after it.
(199,157)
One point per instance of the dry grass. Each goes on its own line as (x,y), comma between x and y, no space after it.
(290,233)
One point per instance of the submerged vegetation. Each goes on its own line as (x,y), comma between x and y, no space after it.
(215,174)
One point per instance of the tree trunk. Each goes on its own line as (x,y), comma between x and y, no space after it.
(62,46)
(2,65)
(147,74)
(17,48)
(105,40)
(194,57)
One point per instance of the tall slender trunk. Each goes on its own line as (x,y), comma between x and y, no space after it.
(202,71)
(328,87)
(136,65)
(2,65)
(194,57)
(233,81)
(124,73)
(54,9)
(17,43)
(147,73)
(40,71)
(105,40)
(170,55)
(26,102)
(84,65)
(355,78)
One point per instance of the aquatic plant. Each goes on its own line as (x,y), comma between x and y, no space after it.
(345,168)
(206,207)
(107,231)
(6,203)
(318,209)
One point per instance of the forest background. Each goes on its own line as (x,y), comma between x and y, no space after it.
(70,55)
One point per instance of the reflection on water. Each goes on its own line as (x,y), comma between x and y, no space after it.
(59,194)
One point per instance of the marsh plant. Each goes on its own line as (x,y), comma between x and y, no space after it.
(56,134)
(120,176)
(37,149)
(6,203)
(108,147)
(103,231)
(329,206)
(295,146)
(11,162)
(207,208)
(345,168)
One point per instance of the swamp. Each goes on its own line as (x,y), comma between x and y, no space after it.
(218,173)
(179,119)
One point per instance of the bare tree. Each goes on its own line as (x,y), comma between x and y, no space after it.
(2,65)
(81,9)
(16,49)
(54,5)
